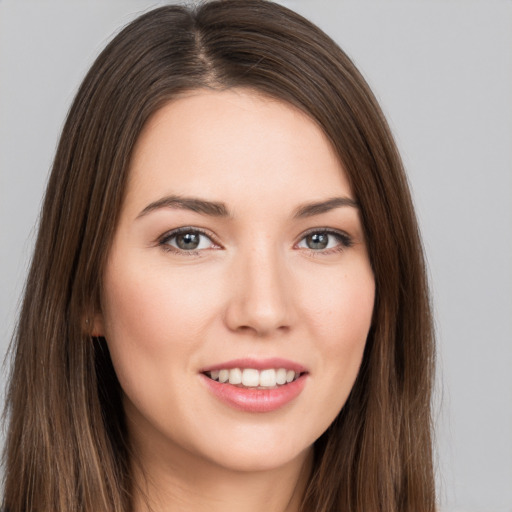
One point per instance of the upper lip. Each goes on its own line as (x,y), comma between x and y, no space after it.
(257,364)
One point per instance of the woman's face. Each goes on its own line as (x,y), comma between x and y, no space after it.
(239,255)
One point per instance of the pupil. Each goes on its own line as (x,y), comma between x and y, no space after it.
(187,241)
(317,240)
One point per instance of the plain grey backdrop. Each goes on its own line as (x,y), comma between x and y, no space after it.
(443,73)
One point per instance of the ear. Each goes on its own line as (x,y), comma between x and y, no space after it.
(97,327)
(94,326)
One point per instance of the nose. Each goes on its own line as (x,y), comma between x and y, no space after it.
(261,295)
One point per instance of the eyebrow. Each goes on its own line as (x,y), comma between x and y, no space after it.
(218,209)
(311,209)
(212,208)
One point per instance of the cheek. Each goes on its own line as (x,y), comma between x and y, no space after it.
(152,319)
(340,319)
(152,300)
(341,312)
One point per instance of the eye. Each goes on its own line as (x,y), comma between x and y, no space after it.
(186,240)
(325,240)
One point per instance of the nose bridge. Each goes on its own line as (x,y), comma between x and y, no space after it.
(261,301)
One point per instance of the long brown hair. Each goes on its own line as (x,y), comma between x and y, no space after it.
(66,446)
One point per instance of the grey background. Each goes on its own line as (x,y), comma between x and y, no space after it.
(443,73)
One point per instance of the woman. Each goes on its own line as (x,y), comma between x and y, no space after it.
(227,303)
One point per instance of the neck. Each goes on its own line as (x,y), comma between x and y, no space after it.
(185,483)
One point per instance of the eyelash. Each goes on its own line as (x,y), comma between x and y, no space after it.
(164,240)
(345,241)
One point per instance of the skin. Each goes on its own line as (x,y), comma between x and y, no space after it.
(254,288)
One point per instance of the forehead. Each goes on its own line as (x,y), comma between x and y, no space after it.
(233,145)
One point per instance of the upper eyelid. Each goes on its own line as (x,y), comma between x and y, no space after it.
(185,229)
(324,229)
(331,231)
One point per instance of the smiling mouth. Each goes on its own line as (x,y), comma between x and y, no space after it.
(270,378)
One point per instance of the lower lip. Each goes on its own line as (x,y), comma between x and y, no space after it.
(256,400)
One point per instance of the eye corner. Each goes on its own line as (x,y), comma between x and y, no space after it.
(196,241)
(325,245)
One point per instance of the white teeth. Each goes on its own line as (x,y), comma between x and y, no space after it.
(268,378)
(235,376)
(280,376)
(252,378)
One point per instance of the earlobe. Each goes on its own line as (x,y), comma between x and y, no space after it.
(93,326)
(97,328)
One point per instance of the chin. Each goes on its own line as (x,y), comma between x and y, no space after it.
(253,452)
(246,460)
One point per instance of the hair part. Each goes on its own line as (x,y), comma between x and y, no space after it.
(67,447)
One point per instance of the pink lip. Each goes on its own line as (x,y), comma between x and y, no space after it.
(257,364)
(255,400)
(252,399)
